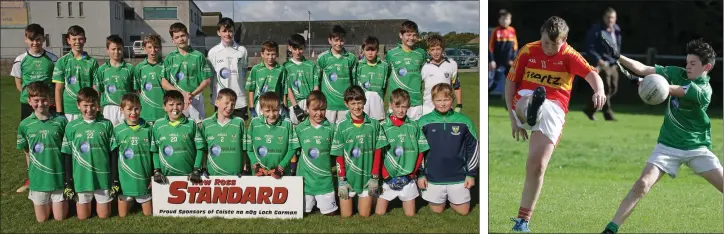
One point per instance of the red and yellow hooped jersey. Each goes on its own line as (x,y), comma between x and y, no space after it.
(532,68)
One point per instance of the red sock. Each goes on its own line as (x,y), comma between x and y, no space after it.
(524,213)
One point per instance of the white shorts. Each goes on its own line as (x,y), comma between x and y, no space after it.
(42,198)
(409,192)
(414,113)
(670,159)
(196,110)
(292,117)
(551,119)
(455,193)
(139,199)
(102,196)
(375,106)
(363,194)
(336,116)
(71,117)
(113,113)
(327,203)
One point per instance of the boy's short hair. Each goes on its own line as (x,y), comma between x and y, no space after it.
(34,32)
(702,50)
(38,89)
(399,96)
(269,100)
(178,27)
(76,30)
(371,42)
(115,39)
(296,41)
(408,26)
(172,95)
(130,99)
(442,89)
(269,45)
(435,40)
(503,13)
(337,32)
(226,93)
(555,27)
(318,98)
(354,93)
(87,94)
(225,22)
(153,38)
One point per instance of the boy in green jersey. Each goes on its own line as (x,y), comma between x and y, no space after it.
(88,140)
(271,141)
(147,80)
(40,135)
(267,76)
(357,143)
(685,135)
(179,144)
(133,141)
(315,164)
(186,70)
(302,78)
(403,156)
(372,74)
(338,68)
(406,63)
(113,79)
(73,72)
(224,136)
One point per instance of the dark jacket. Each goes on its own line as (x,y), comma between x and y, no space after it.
(595,49)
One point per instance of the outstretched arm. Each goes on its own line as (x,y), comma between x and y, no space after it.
(636,67)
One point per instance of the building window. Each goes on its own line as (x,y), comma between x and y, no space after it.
(160,13)
(58,6)
(80,9)
(70,9)
(129,14)
(47,40)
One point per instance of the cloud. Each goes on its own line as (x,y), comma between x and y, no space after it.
(437,16)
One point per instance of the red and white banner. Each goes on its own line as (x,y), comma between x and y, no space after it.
(230,197)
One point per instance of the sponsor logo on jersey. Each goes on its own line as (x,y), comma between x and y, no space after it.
(402,71)
(262,151)
(215,150)
(297,83)
(128,153)
(356,152)
(367,85)
(167,150)
(225,73)
(313,153)
(180,76)
(38,148)
(72,80)
(333,76)
(553,79)
(148,86)
(399,151)
(84,147)
(111,88)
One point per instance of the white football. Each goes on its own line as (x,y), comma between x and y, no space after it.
(654,89)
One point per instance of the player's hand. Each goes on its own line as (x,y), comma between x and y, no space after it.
(518,132)
(299,113)
(195,176)
(115,188)
(459,108)
(492,65)
(599,99)
(277,172)
(69,190)
(469,182)
(253,112)
(343,188)
(422,183)
(373,186)
(610,49)
(187,99)
(158,177)
(631,78)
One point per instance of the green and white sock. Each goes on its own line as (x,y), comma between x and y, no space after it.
(612,226)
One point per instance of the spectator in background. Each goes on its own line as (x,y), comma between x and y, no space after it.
(502,49)
(599,58)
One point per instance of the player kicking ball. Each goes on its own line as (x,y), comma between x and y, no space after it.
(685,136)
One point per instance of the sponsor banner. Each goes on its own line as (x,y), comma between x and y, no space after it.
(14,14)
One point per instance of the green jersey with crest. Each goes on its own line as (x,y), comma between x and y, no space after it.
(43,139)
(686,125)
(357,145)
(75,74)
(406,142)
(135,163)
(186,72)
(179,146)
(301,78)
(225,144)
(406,74)
(271,145)
(35,69)
(373,77)
(315,164)
(90,145)
(147,80)
(114,82)
(262,79)
(337,76)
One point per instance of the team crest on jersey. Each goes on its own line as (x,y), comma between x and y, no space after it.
(356,152)
(233,137)
(313,153)
(262,151)
(167,150)
(215,150)
(38,148)
(280,139)
(128,153)
(225,73)
(455,130)
(447,75)
(37,64)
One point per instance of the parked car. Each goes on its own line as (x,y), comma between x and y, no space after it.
(463,57)
(138,49)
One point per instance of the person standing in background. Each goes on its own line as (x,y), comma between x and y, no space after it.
(502,49)
(604,62)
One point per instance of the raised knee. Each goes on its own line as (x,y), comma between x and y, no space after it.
(463,212)
(642,187)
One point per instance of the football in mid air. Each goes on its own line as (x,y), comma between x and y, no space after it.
(654,89)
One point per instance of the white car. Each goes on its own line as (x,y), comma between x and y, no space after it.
(138,49)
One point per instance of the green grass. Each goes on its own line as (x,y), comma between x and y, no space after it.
(16,211)
(592,170)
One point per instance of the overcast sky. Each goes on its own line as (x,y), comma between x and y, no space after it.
(436,16)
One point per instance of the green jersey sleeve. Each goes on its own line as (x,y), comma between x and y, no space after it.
(206,70)
(422,145)
(696,93)
(22,142)
(337,143)
(251,80)
(670,72)
(67,136)
(381,141)
(59,71)
(316,76)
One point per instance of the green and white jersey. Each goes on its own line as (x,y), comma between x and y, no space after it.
(31,68)
(315,161)
(114,82)
(271,145)
(75,74)
(337,76)
(186,72)
(179,146)
(262,79)
(686,125)
(301,78)
(373,77)
(225,144)
(406,69)
(43,139)
(89,142)
(135,163)
(357,145)
(147,81)
(406,142)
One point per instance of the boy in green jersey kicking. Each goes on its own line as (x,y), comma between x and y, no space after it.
(271,141)
(302,78)
(73,72)
(372,75)
(224,136)
(147,80)
(267,76)
(338,68)
(113,79)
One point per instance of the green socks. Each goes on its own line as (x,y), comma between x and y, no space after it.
(613,227)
